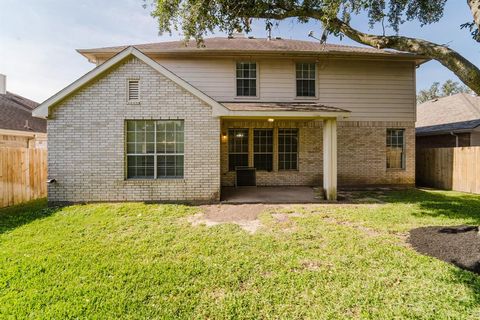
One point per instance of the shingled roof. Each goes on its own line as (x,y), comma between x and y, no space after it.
(455,113)
(248,45)
(15,111)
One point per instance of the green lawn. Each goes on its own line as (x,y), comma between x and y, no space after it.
(146,261)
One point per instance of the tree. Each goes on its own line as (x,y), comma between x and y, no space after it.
(196,18)
(448,88)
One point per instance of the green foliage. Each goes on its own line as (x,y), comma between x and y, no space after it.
(436,91)
(196,18)
(144,261)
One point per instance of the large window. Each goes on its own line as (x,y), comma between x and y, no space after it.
(155,149)
(305,75)
(263,149)
(237,148)
(287,149)
(395,149)
(246,79)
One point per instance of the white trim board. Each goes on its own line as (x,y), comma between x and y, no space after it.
(42,111)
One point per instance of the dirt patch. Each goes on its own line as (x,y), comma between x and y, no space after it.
(245,216)
(368,231)
(459,245)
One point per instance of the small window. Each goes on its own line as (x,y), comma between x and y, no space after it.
(133,90)
(246,79)
(237,148)
(263,149)
(288,149)
(305,75)
(395,149)
(155,149)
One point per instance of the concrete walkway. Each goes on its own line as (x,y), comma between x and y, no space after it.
(271,195)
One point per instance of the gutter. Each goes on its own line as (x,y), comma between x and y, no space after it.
(456,138)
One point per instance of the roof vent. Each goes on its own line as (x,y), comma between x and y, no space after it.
(238,35)
(3,84)
(251,37)
(278,38)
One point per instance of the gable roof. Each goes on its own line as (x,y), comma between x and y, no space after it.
(250,45)
(42,111)
(16,114)
(457,112)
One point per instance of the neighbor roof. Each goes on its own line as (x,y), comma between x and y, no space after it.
(249,45)
(15,111)
(463,126)
(457,112)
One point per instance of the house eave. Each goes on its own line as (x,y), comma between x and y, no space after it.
(284,115)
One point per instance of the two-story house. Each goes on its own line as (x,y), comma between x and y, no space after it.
(169,122)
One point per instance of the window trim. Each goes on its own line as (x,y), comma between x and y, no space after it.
(130,80)
(297,153)
(404,151)
(272,153)
(296,97)
(155,154)
(257,80)
(228,147)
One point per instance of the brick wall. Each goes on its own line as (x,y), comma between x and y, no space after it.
(87,135)
(361,154)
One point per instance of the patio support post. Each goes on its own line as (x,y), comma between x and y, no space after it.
(330,158)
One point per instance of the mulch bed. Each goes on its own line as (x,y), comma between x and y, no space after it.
(459,245)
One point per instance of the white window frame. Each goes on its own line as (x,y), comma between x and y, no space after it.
(257,79)
(315,79)
(155,154)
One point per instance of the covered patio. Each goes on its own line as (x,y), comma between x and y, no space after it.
(280,183)
(273,195)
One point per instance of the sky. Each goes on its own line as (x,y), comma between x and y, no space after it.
(38,39)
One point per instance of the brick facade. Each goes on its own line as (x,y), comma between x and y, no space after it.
(87,144)
(87,140)
(361,154)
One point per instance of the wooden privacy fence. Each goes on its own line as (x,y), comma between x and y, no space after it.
(449,168)
(23,175)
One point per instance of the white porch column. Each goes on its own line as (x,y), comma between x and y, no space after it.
(330,158)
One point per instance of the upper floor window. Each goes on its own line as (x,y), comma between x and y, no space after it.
(305,75)
(133,90)
(246,79)
(395,149)
(155,149)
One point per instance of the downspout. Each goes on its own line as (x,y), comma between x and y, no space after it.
(456,138)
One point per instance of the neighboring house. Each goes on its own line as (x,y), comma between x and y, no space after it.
(17,126)
(452,121)
(168,122)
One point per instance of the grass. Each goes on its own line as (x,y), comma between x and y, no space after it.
(135,261)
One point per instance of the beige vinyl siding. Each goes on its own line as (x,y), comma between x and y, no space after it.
(372,90)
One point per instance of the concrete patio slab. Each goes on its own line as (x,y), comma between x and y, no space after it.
(239,195)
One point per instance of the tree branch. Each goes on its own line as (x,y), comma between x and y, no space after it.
(463,69)
(475,8)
